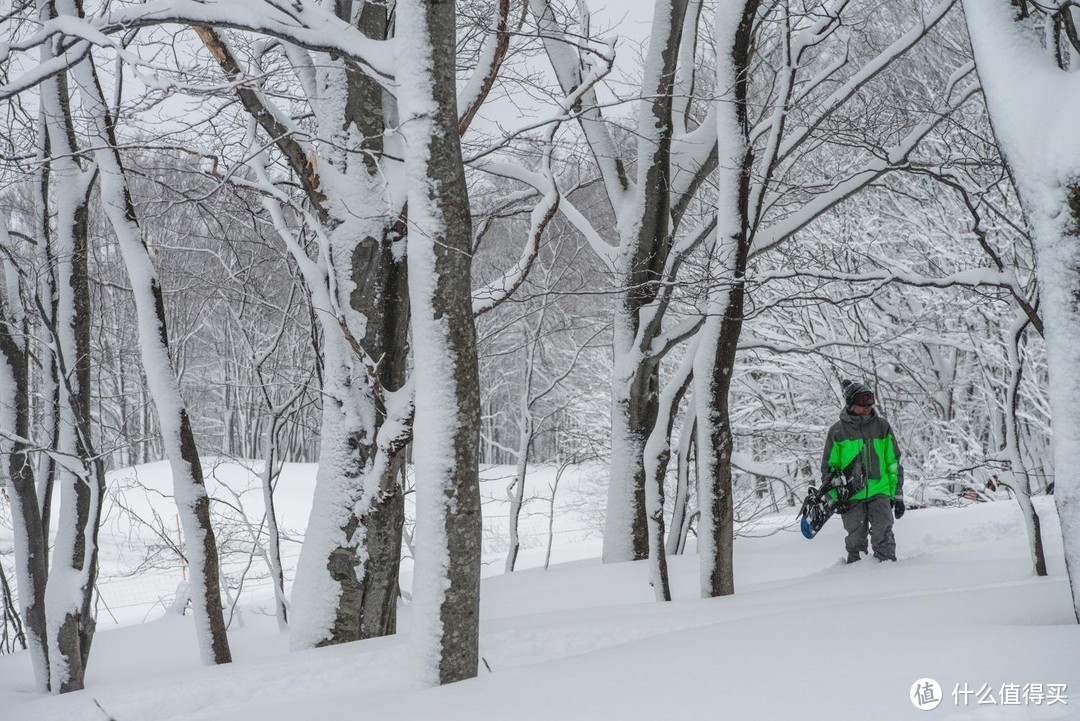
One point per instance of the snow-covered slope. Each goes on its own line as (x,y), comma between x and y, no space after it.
(803,638)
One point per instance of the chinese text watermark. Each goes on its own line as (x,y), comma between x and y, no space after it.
(926,694)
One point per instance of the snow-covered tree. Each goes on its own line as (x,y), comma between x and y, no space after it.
(70,629)
(1032,90)
(672,161)
(346,585)
(781,76)
(81,474)
(755,213)
(446,586)
(31,550)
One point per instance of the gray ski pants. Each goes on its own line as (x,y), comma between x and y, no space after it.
(873,517)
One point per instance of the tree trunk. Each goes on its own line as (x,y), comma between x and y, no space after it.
(346,584)
(273,537)
(1059,277)
(635,385)
(446,586)
(1021,480)
(69,593)
(657,455)
(192,500)
(712,376)
(682,489)
(647,240)
(714,366)
(44,463)
(347,577)
(643,215)
(1010,60)
(516,491)
(30,547)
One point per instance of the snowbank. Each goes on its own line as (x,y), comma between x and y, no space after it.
(804,637)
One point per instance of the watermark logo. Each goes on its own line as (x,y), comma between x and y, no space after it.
(925,694)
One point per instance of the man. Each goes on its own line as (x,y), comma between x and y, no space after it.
(860,446)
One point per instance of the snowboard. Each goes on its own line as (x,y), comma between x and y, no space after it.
(819,506)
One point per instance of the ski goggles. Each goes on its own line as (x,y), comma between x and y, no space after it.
(866,400)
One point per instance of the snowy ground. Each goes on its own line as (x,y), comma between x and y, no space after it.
(803,638)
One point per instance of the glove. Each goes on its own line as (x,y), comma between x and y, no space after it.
(898,508)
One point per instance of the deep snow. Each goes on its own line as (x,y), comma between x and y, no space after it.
(803,637)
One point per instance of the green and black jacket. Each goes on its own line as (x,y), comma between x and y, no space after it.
(864,450)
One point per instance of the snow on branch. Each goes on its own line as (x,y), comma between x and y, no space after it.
(972,278)
(865,74)
(747,464)
(301,22)
(492,53)
(42,71)
(607,253)
(567,59)
(892,157)
(663,343)
(493,294)
(1033,103)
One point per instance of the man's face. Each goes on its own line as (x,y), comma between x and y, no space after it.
(863,404)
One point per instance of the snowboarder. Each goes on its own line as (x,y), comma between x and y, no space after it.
(862,448)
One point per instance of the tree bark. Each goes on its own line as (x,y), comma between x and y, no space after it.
(715,363)
(69,593)
(30,547)
(646,232)
(657,455)
(1019,471)
(682,491)
(175,423)
(1009,60)
(446,587)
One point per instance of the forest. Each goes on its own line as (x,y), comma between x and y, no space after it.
(309,307)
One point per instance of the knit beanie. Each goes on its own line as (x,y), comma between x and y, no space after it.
(853,390)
